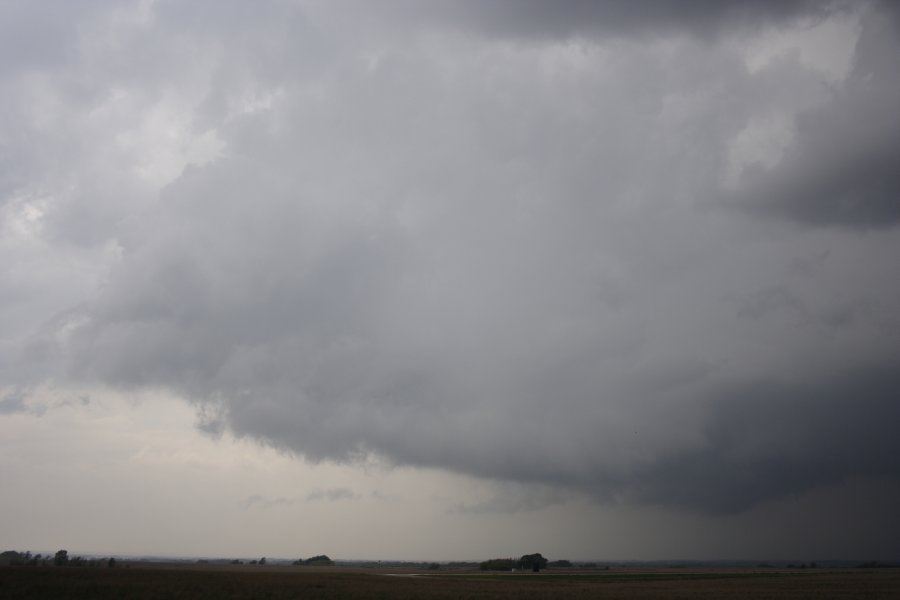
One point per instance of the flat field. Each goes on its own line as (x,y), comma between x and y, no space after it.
(270,582)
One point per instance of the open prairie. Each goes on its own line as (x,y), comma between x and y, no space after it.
(184,582)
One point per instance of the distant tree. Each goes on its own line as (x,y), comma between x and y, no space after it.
(11,557)
(111,562)
(560,563)
(61,558)
(433,566)
(498,564)
(535,562)
(319,560)
(262,561)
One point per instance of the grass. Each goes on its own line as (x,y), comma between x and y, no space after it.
(275,583)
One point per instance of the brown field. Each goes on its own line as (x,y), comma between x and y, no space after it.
(271,582)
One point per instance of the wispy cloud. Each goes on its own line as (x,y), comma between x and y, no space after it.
(328,495)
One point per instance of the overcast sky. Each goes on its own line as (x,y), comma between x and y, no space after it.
(450,279)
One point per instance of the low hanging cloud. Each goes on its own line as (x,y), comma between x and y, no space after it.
(328,495)
(520,264)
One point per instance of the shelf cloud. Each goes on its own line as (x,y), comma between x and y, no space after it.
(549,244)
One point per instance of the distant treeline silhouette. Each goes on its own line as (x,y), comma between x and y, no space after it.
(320,560)
(534,562)
(60,559)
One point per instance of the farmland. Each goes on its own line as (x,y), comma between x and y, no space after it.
(244,582)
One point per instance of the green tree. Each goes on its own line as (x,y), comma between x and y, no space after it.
(498,564)
(560,563)
(11,557)
(320,560)
(535,562)
(61,559)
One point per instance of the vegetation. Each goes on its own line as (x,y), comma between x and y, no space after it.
(874,564)
(243,582)
(560,564)
(320,560)
(60,559)
(531,562)
(11,557)
(534,562)
(498,564)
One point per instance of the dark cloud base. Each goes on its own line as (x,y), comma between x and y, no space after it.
(766,440)
(531,19)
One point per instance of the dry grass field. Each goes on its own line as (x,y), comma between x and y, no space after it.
(184,582)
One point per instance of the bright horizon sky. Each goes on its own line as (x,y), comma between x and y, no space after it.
(450,280)
(139,480)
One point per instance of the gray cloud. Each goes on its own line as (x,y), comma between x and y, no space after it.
(510,264)
(768,439)
(571,18)
(841,169)
(329,495)
(13,402)
(511,498)
(40,36)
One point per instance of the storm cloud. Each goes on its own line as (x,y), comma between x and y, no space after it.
(584,18)
(840,171)
(557,252)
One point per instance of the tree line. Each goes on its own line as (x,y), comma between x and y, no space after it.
(60,559)
(320,560)
(533,562)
